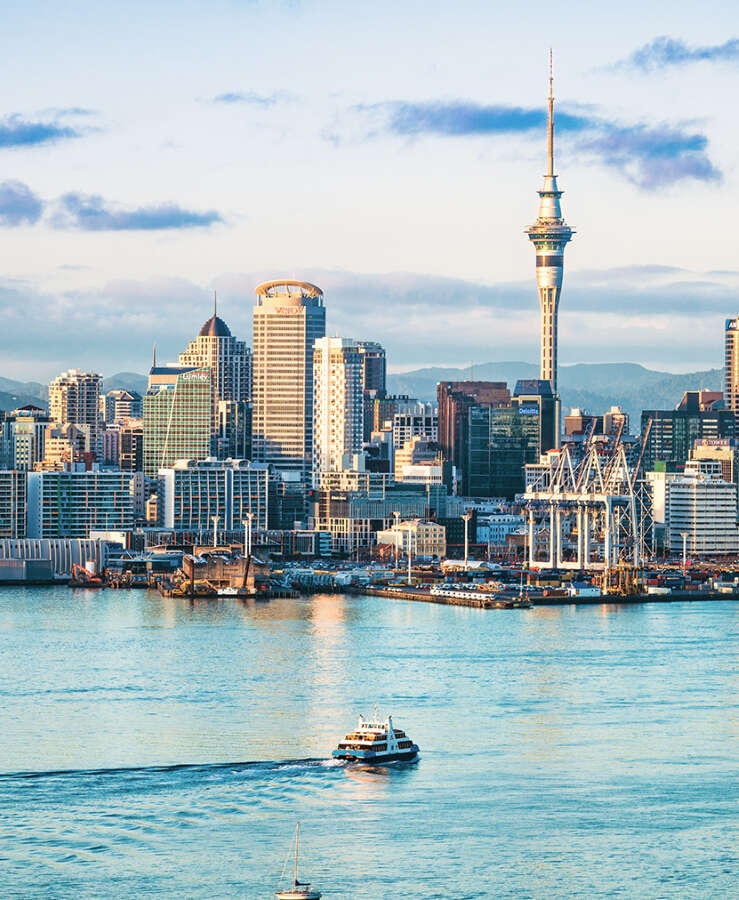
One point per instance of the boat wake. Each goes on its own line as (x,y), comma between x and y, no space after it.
(205,769)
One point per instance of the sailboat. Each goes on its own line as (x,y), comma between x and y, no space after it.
(301,889)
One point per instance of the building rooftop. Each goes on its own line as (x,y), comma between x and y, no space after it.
(215,327)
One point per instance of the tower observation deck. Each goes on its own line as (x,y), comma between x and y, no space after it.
(549,235)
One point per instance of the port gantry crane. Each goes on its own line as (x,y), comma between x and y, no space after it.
(590,510)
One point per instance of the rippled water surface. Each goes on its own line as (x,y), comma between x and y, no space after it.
(153,747)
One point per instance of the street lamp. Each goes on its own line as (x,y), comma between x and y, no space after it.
(684,536)
(466,516)
(410,538)
(247,533)
(215,531)
(396,514)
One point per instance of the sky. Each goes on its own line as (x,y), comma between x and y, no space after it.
(153,153)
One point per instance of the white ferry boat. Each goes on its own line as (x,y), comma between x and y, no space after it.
(376,741)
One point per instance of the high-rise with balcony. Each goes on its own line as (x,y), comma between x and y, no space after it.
(289,318)
(731,365)
(337,404)
(74,399)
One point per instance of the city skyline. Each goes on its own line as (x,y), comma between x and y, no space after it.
(145,163)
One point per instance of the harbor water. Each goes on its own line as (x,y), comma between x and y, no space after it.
(167,748)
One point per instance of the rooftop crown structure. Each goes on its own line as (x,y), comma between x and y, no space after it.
(549,234)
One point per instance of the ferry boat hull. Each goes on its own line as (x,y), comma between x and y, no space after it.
(376,741)
(370,756)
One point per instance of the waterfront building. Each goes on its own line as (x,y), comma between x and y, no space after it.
(23,438)
(701,509)
(723,450)
(121,404)
(353,506)
(12,503)
(338,418)
(75,502)
(421,538)
(178,416)
(496,529)
(549,234)
(74,398)
(194,493)
(700,415)
(230,363)
(37,558)
(289,318)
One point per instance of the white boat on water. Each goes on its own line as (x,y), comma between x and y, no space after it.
(300,890)
(377,741)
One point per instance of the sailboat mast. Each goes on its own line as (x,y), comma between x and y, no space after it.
(295,867)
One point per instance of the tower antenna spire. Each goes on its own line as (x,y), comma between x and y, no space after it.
(550,121)
(215,303)
(154,357)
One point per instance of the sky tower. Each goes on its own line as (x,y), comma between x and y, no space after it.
(549,234)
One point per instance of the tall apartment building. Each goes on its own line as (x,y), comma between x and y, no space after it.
(71,504)
(74,398)
(230,362)
(192,493)
(289,318)
(338,415)
(731,365)
(374,381)
(24,438)
(178,416)
(12,504)
(120,404)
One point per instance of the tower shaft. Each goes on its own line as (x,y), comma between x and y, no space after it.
(549,235)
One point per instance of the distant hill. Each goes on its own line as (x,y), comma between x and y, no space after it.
(14,394)
(592,386)
(126,381)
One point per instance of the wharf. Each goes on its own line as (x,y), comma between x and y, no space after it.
(497,602)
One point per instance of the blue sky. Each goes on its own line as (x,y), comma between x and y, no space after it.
(151,153)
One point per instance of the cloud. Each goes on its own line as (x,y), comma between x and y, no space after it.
(19,205)
(650,156)
(18,132)
(665,52)
(251,98)
(609,315)
(91,212)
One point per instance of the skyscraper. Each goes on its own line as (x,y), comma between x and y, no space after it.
(337,403)
(549,235)
(731,360)
(288,319)
(74,398)
(178,416)
(229,360)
